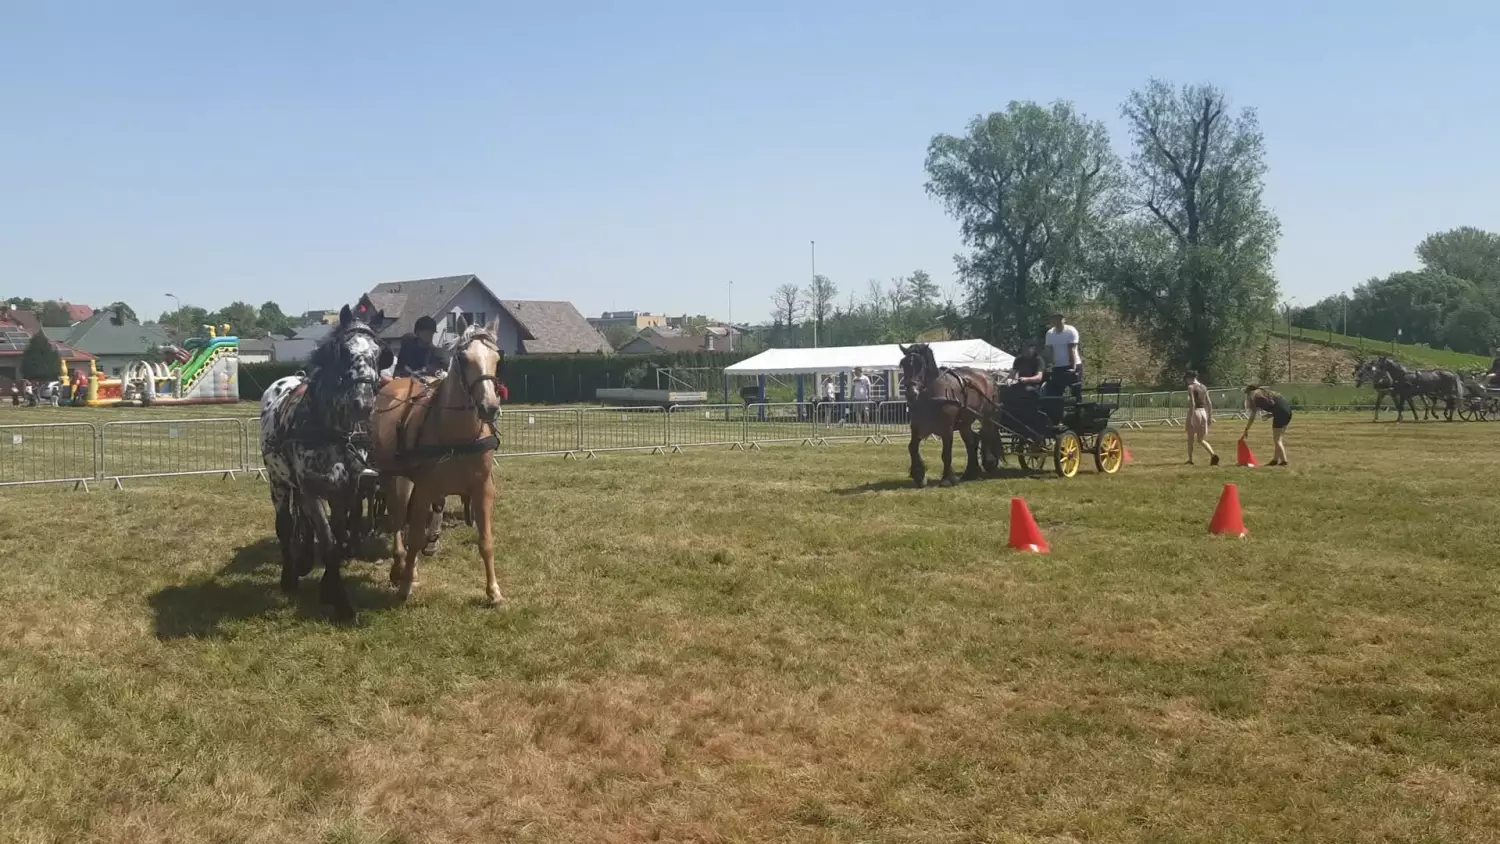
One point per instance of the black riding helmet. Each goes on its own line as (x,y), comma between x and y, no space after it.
(425,323)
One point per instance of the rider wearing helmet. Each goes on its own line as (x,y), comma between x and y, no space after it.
(419,355)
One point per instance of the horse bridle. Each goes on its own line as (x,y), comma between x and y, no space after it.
(462,363)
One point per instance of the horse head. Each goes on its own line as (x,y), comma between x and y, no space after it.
(343,374)
(918,368)
(476,364)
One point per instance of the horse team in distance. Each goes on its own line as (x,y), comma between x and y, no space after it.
(1405,385)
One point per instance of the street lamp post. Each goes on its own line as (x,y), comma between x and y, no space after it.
(729,335)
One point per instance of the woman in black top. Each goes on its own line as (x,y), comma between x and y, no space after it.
(1260,400)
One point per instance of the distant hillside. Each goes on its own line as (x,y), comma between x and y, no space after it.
(1414,355)
(1113,349)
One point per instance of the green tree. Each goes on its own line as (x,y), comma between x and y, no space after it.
(788,306)
(55,315)
(126,312)
(1472,327)
(820,294)
(40,361)
(23,303)
(242,318)
(1029,187)
(1466,252)
(1417,304)
(271,319)
(619,335)
(1191,264)
(922,290)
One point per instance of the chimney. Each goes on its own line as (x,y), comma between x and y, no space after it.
(119,316)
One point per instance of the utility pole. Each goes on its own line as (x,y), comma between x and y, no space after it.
(814,283)
(729,335)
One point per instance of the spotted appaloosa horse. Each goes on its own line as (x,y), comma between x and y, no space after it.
(307,426)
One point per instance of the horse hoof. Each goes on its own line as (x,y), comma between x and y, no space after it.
(947,482)
(289,586)
(403,591)
(919,483)
(495,599)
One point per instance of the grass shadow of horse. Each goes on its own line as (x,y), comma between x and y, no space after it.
(245,589)
(1002,473)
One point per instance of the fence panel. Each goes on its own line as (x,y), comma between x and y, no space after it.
(623,429)
(849,420)
(713,424)
(171,448)
(535,432)
(893,418)
(1150,408)
(798,422)
(49,454)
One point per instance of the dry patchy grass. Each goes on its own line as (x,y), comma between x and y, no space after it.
(781,646)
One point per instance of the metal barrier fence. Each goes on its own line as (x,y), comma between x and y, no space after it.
(172,448)
(80,452)
(49,454)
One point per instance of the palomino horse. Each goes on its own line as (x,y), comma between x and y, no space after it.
(432,442)
(940,401)
(307,427)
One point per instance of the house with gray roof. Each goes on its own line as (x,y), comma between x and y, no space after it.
(299,347)
(116,341)
(526,326)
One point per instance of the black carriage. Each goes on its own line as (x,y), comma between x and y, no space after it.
(1036,426)
(1482,407)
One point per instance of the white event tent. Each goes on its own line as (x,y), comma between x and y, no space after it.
(972,353)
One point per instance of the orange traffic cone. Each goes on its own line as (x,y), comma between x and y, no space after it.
(1024,534)
(1128,458)
(1245,458)
(1228,520)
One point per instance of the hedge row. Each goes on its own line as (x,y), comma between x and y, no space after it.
(540,379)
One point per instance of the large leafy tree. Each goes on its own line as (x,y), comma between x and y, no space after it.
(55,314)
(1029,187)
(126,312)
(1191,261)
(1465,252)
(271,320)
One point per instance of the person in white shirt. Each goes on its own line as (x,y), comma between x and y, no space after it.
(860,391)
(830,395)
(1062,354)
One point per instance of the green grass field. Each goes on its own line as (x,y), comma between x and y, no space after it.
(784,645)
(1421,356)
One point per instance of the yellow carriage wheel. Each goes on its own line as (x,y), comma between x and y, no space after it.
(1067,454)
(1109,452)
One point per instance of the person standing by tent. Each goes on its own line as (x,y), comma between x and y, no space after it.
(859,389)
(1062,353)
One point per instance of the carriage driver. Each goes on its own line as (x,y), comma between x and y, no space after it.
(1028,369)
(419,355)
(1494,373)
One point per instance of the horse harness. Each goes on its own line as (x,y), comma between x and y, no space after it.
(438,453)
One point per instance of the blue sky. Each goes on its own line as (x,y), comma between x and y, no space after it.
(642,155)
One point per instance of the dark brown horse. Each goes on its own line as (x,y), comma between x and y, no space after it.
(940,401)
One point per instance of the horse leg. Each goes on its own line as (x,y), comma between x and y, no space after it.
(948,477)
(286,536)
(918,469)
(484,519)
(469,510)
(994,448)
(419,515)
(971,447)
(331,588)
(432,534)
(397,497)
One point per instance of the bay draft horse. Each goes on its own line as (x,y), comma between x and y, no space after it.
(432,441)
(307,429)
(940,401)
